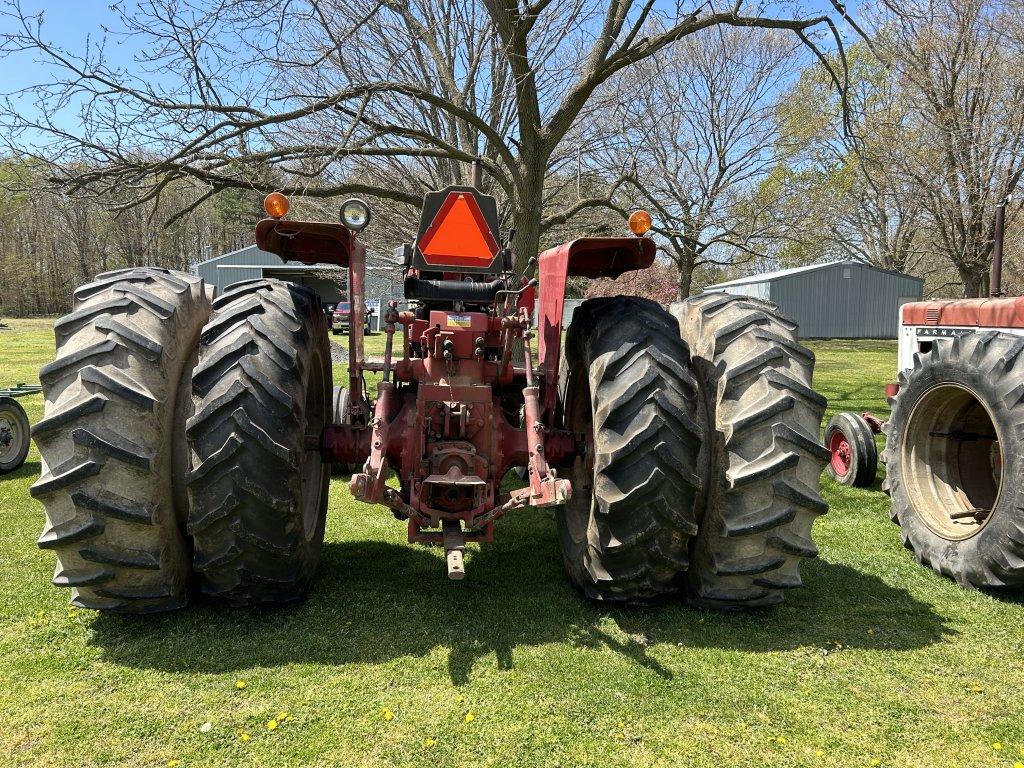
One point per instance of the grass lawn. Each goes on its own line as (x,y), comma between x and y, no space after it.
(876,659)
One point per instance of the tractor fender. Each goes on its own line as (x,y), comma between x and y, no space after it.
(311,242)
(586,257)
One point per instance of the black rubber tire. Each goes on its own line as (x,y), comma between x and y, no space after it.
(258,490)
(112,440)
(625,533)
(990,366)
(764,461)
(864,452)
(14,435)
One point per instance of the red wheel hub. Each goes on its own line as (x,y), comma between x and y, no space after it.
(839,446)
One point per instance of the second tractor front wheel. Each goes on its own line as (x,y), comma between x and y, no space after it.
(258,489)
(627,387)
(854,455)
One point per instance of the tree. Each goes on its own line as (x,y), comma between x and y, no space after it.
(701,133)
(374,97)
(961,65)
(845,193)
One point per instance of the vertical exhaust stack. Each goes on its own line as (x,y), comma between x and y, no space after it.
(477,177)
(995,277)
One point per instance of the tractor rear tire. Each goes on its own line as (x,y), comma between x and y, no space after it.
(625,533)
(954,457)
(853,453)
(765,460)
(258,489)
(14,435)
(112,440)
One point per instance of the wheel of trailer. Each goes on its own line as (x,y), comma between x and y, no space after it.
(854,455)
(14,435)
(954,456)
(627,387)
(765,459)
(258,488)
(112,439)
(340,415)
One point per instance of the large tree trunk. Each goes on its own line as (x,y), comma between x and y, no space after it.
(975,281)
(685,258)
(528,218)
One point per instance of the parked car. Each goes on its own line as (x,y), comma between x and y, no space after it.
(341,318)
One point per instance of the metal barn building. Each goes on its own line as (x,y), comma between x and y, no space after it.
(837,300)
(251,263)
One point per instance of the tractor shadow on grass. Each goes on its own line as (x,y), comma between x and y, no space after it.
(374,602)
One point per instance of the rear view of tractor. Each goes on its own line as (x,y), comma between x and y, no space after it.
(188,440)
(953,442)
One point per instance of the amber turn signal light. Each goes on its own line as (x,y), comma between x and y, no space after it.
(639,222)
(276,205)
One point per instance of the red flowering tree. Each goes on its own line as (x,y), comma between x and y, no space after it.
(658,282)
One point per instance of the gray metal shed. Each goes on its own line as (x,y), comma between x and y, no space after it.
(251,263)
(837,300)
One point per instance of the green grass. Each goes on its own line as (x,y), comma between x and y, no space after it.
(876,658)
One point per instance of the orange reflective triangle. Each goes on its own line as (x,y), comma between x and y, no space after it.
(459,235)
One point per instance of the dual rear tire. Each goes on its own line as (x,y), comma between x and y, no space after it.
(142,354)
(704,478)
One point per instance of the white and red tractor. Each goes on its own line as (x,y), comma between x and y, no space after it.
(953,440)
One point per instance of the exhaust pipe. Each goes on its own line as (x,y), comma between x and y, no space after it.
(995,277)
(477,178)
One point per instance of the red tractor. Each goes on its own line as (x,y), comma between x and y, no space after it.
(953,460)
(188,441)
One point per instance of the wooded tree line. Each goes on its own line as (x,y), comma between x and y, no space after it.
(758,141)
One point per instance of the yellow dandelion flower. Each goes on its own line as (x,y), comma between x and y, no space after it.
(620,736)
(1018,764)
(283,715)
(244,736)
(997,745)
(173,764)
(240,684)
(470,717)
(272,725)
(875,761)
(387,714)
(780,739)
(819,753)
(429,742)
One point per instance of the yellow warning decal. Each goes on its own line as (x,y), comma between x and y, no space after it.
(460,321)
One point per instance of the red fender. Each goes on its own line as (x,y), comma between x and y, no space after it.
(311,242)
(586,257)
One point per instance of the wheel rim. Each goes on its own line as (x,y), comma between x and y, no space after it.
(11,437)
(311,472)
(842,458)
(951,462)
